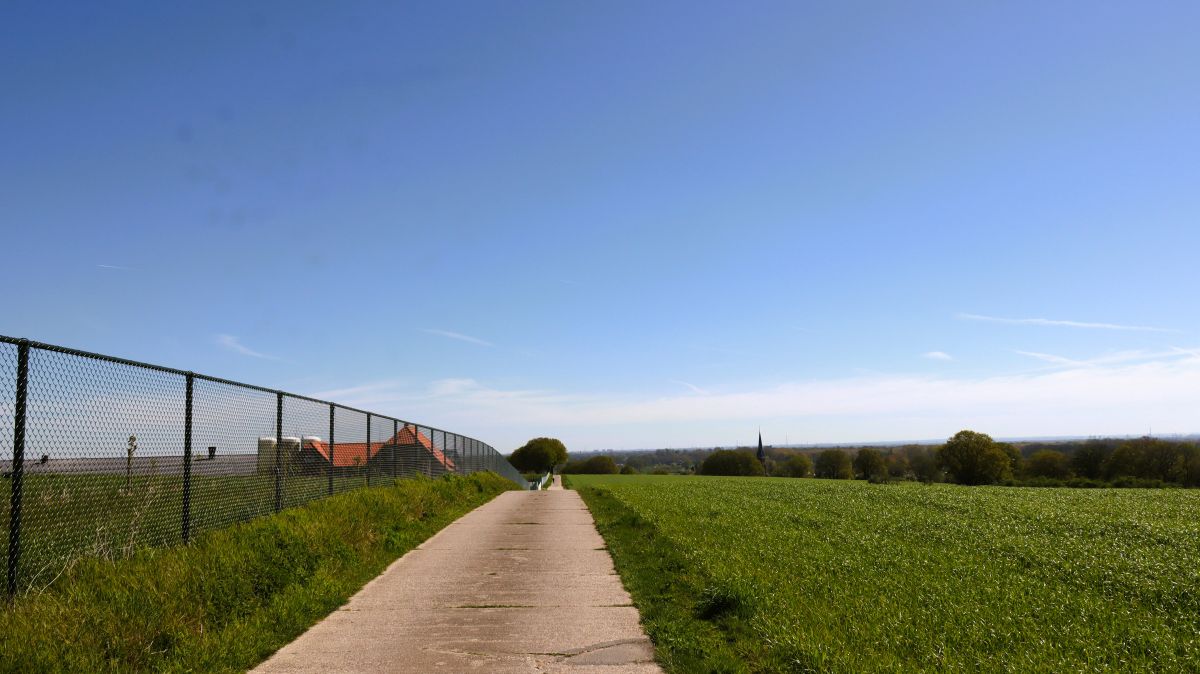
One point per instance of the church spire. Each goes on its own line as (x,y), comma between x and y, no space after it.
(762,456)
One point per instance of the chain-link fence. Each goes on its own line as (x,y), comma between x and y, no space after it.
(101,455)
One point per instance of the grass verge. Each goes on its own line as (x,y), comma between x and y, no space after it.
(692,629)
(233,596)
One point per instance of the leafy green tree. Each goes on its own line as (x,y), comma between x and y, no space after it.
(898,465)
(796,465)
(1190,465)
(539,455)
(833,464)
(1088,461)
(1015,460)
(1048,463)
(869,464)
(924,464)
(1149,459)
(974,458)
(731,462)
(628,470)
(596,465)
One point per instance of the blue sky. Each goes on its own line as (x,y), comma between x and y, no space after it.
(624,224)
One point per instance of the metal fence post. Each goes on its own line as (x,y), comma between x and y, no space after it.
(18,467)
(278,451)
(331,408)
(395,444)
(367,451)
(187,459)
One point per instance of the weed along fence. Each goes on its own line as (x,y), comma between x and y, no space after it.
(102,455)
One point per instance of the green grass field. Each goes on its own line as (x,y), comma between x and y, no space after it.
(758,574)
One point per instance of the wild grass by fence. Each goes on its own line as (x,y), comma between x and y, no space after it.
(102,455)
(235,595)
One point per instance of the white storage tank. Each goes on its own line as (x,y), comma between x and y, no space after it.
(266,456)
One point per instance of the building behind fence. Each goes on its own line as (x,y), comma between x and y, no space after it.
(102,455)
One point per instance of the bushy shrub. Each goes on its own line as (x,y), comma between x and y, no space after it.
(731,462)
(628,470)
(833,464)
(1037,481)
(1127,482)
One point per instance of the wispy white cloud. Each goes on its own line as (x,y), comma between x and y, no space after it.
(1116,393)
(1113,357)
(1195,353)
(1060,323)
(1052,359)
(1091,399)
(937,355)
(691,387)
(451,387)
(358,392)
(457,335)
(231,343)
(116,267)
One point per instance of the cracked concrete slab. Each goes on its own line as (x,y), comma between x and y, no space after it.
(520,585)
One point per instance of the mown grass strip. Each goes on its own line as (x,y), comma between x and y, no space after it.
(233,596)
(694,626)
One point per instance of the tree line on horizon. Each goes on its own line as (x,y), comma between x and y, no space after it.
(967,458)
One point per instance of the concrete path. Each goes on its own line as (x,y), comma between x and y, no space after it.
(521,584)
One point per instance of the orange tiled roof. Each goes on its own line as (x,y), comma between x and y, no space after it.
(349,454)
